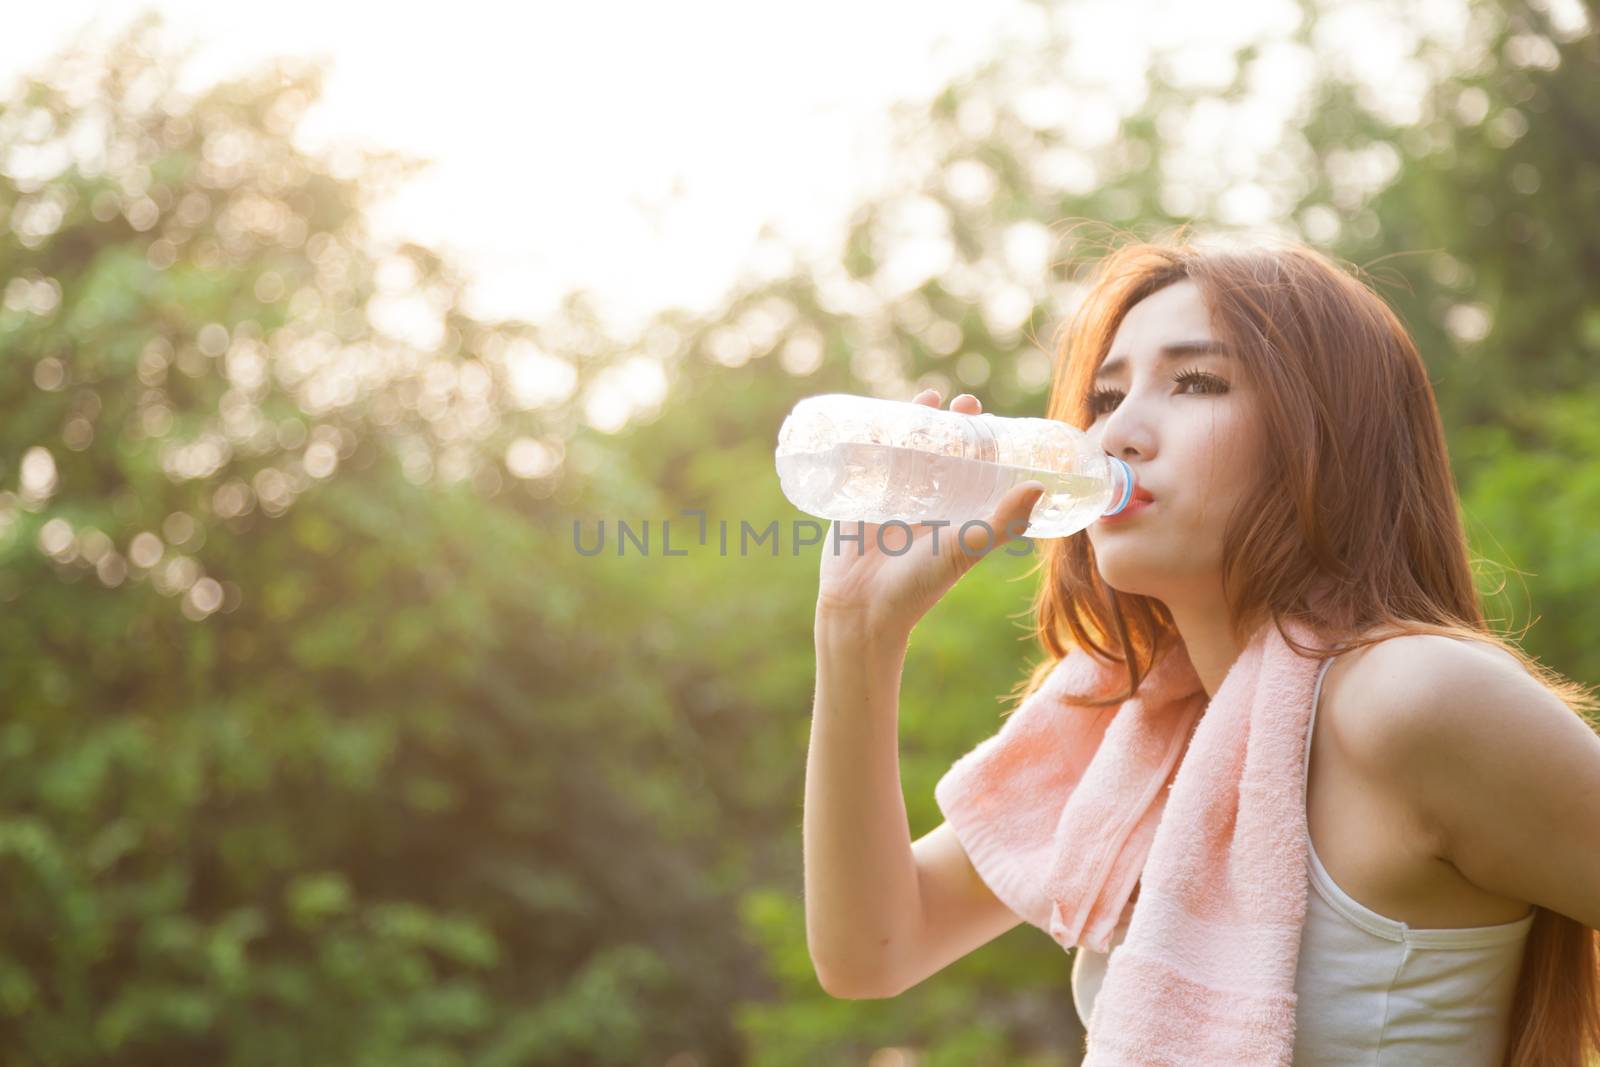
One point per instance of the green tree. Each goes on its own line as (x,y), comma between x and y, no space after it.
(317,749)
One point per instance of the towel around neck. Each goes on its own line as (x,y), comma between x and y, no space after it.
(1200,803)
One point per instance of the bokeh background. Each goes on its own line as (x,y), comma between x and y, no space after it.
(322,742)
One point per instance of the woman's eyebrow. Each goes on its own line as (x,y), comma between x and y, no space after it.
(1166,353)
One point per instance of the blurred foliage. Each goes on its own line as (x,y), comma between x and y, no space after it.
(301,704)
(326,744)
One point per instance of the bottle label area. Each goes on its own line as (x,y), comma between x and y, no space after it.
(878,483)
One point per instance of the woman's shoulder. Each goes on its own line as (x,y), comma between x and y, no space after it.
(1421,658)
(1369,690)
(1402,734)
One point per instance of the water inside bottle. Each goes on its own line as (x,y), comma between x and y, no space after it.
(877,483)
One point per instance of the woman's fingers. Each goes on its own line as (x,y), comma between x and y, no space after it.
(965,403)
(1011,515)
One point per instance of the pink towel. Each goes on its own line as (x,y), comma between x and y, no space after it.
(1202,804)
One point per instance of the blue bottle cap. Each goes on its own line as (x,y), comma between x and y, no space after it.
(1127,486)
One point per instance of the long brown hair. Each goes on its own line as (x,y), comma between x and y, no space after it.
(1352,527)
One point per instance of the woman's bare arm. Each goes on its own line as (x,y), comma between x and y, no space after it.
(882,913)
(861,893)
(959,913)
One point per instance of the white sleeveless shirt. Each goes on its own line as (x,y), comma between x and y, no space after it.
(1372,990)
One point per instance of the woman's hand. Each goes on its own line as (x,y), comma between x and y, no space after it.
(861,581)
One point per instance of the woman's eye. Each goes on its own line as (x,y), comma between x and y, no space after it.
(1102,400)
(1098,399)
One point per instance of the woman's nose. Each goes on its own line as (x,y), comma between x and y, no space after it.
(1124,432)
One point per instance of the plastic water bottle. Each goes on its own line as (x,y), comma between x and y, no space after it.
(850,458)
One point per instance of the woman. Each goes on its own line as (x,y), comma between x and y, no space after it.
(1281,422)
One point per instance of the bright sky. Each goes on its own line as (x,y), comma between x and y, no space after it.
(634,148)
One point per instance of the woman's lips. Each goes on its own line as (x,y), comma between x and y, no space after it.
(1135,506)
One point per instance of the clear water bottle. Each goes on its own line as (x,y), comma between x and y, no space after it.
(850,458)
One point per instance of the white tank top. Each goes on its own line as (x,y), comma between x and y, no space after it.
(1372,990)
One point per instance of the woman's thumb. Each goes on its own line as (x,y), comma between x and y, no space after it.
(1010,518)
(1018,507)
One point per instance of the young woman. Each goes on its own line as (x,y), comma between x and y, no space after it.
(1281,421)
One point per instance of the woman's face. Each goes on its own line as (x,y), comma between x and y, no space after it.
(1185,422)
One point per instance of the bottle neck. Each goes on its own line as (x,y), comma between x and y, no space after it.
(1121,485)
